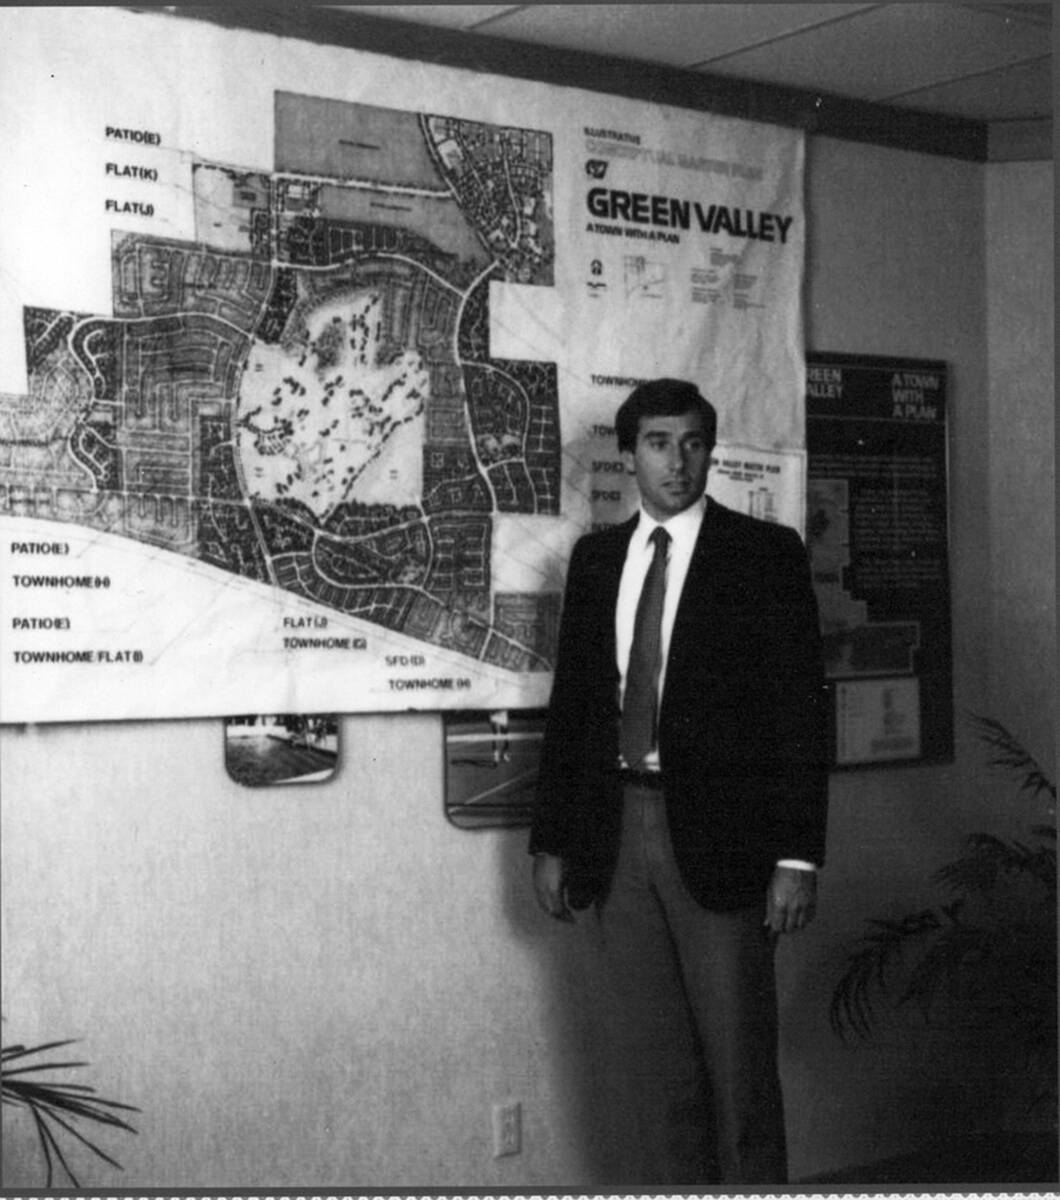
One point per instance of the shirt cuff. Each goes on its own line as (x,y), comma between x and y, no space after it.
(797,863)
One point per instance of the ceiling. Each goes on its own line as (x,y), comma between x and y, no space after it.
(989,62)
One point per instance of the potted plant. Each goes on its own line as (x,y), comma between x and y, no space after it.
(983,960)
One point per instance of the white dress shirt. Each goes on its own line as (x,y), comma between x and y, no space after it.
(683,529)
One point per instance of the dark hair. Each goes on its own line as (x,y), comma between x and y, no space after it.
(663,398)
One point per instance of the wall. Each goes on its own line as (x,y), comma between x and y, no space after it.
(898,265)
(305,986)
(1019,271)
(330,985)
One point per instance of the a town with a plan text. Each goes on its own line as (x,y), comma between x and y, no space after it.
(304,395)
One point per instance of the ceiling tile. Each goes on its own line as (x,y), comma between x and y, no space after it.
(450,16)
(674,34)
(936,57)
(1013,93)
(890,50)
(1022,10)
(732,27)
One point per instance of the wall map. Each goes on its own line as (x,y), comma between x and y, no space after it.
(305,395)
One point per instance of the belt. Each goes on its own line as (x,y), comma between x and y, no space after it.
(644,779)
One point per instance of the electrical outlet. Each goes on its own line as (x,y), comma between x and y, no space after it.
(507,1128)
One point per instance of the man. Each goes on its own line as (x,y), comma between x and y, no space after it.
(683,790)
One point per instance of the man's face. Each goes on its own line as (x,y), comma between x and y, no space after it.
(670,459)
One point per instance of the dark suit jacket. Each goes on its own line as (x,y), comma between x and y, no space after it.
(741,726)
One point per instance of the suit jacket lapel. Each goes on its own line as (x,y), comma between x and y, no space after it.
(698,593)
(605,576)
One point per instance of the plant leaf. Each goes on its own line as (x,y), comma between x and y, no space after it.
(92,1108)
(57,1149)
(868,968)
(85,1142)
(48,1066)
(988,857)
(11,1052)
(1008,752)
(59,1102)
(44,1137)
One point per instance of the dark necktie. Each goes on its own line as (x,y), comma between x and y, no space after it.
(640,702)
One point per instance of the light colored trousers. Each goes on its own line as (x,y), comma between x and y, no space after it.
(692,1016)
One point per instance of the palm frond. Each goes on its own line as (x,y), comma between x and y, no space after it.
(869,966)
(55,1105)
(51,1140)
(85,1142)
(45,1138)
(939,972)
(74,1099)
(48,1066)
(988,858)
(19,1051)
(1009,752)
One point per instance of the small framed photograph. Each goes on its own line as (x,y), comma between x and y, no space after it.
(267,750)
(491,767)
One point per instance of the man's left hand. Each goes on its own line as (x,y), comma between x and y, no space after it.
(791,900)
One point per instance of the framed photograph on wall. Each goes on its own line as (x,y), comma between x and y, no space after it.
(491,765)
(263,750)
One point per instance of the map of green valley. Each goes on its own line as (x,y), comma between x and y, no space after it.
(305,395)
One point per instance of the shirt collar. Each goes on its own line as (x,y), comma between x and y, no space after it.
(682,527)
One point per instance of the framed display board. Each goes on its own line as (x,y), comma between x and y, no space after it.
(877,533)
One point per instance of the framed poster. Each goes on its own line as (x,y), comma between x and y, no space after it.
(876,529)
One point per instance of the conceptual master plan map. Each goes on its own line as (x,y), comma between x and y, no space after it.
(305,396)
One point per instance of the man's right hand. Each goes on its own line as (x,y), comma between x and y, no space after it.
(548,884)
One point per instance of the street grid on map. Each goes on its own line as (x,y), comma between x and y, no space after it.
(305,396)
